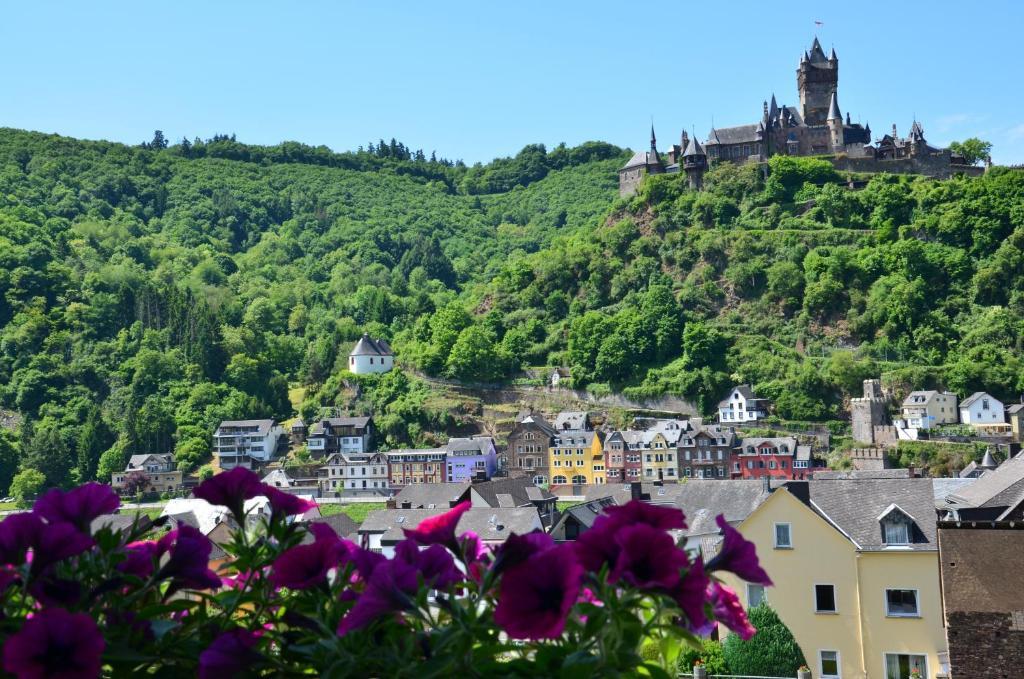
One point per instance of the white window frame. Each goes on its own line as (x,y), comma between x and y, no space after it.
(917,602)
(835,598)
(839,664)
(885,663)
(775,534)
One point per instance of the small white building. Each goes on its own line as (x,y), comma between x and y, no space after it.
(925,409)
(240,443)
(981,408)
(370,356)
(742,405)
(355,474)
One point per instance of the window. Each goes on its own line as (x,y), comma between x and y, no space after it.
(686,472)
(896,533)
(579,480)
(539,480)
(824,598)
(901,603)
(558,480)
(828,664)
(900,665)
(783,538)
(755,595)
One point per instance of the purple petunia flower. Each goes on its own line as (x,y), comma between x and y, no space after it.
(439,530)
(141,558)
(78,506)
(366,561)
(518,548)
(305,566)
(648,558)
(187,566)
(434,564)
(55,643)
(55,542)
(635,511)
(17,533)
(738,555)
(392,588)
(286,504)
(230,489)
(231,654)
(536,595)
(729,611)
(691,595)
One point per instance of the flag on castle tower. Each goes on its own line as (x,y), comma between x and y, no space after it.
(819,23)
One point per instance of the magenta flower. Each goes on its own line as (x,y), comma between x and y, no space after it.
(518,548)
(305,566)
(286,504)
(434,564)
(729,611)
(439,530)
(187,566)
(648,558)
(230,489)
(635,511)
(140,558)
(55,643)
(56,542)
(691,595)
(392,588)
(17,533)
(231,654)
(738,555)
(366,561)
(536,595)
(78,506)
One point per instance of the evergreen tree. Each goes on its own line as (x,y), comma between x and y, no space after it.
(158,143)
(93,439)
(772,652)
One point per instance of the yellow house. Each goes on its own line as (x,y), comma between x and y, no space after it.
(856,572)
(577,457)
(659,462)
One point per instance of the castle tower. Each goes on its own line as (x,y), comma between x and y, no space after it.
(817,79)
(695,163)
(835,124)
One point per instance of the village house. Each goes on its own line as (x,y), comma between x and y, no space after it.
(503,492)
(572,420)
(297,480)
(340,434)
(579,518)
(355,474)
(1015,415)
(706,452)
(929,408)
(160,472)
(470,458)
(742,405)
(577,458)
(246,443)
(659,457)
(528,445)
(408,466)
(996,495)
(622,457)
(384,529)
(779,458)
(370,356)
(856,574)
(982,409)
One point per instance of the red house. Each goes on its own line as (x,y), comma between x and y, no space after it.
(777,458)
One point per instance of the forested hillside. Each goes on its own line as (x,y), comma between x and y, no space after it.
(148,292)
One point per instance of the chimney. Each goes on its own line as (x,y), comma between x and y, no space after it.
(635,490)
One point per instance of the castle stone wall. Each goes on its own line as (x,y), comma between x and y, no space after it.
(935,165)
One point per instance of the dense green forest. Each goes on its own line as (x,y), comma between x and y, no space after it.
(148,292)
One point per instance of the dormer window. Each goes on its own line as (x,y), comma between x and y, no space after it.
(897,526)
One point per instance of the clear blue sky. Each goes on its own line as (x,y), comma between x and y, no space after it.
(475,80)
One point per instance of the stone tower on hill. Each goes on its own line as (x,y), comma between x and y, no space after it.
(817,80)
(870,413)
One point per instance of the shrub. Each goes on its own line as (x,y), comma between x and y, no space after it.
(710,654)
(772,652)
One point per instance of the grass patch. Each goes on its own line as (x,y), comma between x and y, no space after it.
(562,506)
(357,511)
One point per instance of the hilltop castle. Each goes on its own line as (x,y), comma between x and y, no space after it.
(816,128)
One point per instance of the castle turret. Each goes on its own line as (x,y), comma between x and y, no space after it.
(817,79)
(695,163)
(835,123)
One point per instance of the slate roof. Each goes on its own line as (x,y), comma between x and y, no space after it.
(263,427)
(478,443)
(860,474)
(925,396)
(118,522)
(739,134)
(342,524)
(521,489)
(1016,407)
(490,523)
(745,391)
(970,400)
(585,512)
(431,495)
(571,419)
(197,513)
(778,441)
(944,487)
(540,422)
(854,507)
(355,422)
(367,346)
(136,461)
(833,108)
(1001,487)
(693,149)
(988,462)
(641,159)
(574,438)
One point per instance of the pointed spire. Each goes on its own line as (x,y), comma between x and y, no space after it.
(817,55)
(832,56)
(988,462)
(833,109)
(693,149)
(654,141)
(848,118)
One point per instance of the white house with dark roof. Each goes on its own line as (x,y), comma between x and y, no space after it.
(370,356)
(742,405)
(982,408)
(241,443)
(925,409)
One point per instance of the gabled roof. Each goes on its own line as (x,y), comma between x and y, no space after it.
(263,427)
(520,488)
(922,397)
(355,422)
(571,419)
(118,522)
(367,346)
(480,444)
(641,159)
(431,495)
(739,134)
(341,523)
(491,524)
(537,421)
(584,513)
(575,437)
(976,396)
(745,391)
(1001,487)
